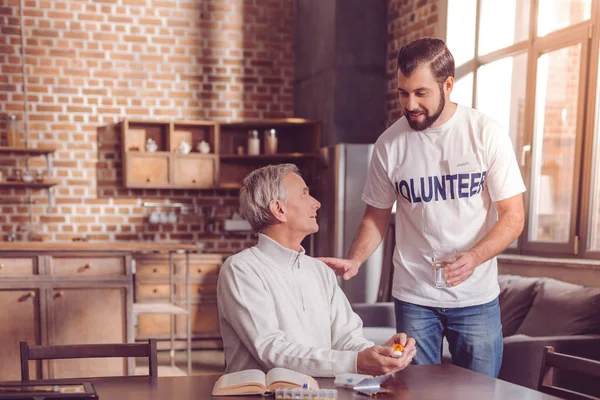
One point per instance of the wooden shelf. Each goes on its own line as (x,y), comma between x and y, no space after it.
(267,123)
(230,185)
(35,185)
(28,150)
(278,156)
(298,142)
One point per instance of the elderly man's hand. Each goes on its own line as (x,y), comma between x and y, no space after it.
(341,266)
(401,338)
(379,360)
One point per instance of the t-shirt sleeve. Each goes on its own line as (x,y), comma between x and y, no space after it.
(503,176)
(379,189)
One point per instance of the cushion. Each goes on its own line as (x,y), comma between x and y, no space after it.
(561,308)
(516,296)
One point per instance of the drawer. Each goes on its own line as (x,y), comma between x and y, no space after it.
(89,266)
(198,268)
(17,267)
(204,290)
(149,291)
(152,269)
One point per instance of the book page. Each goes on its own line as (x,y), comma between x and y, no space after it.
(282,377)
(243,378)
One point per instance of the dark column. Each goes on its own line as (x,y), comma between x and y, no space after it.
(340,67)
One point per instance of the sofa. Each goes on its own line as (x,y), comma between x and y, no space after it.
(535,312)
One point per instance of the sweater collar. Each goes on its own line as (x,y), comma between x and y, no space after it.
(282,255)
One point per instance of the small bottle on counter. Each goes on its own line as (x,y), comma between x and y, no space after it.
(270,141)
(253,143)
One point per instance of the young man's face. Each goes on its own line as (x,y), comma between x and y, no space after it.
(301,208)
(422,98)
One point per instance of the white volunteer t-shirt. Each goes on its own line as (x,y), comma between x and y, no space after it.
(445,180)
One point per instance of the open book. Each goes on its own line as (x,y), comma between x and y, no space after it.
(254,381)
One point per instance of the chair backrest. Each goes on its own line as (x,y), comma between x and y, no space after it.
(565,362)
(88,351)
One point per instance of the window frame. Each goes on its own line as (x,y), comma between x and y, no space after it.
(587,34)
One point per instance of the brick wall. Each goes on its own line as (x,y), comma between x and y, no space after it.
(408,20)
(93,62)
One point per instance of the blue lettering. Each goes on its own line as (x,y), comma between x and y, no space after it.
(415,198)
(427,198)
(436,188)
(440,187)
(481,188)
(474,184)
(451,178)
(404,185)
(463,185)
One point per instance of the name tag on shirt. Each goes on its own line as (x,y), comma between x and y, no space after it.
(463,164)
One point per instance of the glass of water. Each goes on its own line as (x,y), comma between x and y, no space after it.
(440,257)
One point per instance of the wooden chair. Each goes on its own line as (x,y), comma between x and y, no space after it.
(565,362)
(88,351)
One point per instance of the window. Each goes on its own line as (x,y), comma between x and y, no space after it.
(532,65)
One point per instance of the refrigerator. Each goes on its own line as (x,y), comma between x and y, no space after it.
(340,189)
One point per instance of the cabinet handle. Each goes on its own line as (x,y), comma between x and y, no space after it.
(31,294)
(58,294)
(148,180)
(155,290)
(199,270)
(155,270)
(88,266)
(193,181)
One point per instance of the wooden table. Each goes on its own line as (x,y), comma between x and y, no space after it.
(444,381)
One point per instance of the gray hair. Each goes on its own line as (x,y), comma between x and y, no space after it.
(259,188)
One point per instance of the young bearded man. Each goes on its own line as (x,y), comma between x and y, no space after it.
(454,176)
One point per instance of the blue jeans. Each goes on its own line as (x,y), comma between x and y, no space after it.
(474,334)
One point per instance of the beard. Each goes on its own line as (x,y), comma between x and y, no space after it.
(429,119)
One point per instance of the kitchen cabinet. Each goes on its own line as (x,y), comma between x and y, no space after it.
(64,298)
(167,165)
(227,163)
(298,142)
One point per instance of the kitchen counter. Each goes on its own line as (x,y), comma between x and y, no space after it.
(133,247)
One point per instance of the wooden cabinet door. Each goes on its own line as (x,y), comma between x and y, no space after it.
(19,320)
(87,316)
(195,171)
(205,320)
(147,170)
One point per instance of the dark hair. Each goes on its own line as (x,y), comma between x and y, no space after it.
(431,51)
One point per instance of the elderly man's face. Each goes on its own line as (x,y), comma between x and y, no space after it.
(301,207)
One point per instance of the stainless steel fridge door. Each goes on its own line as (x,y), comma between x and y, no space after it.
(346,167)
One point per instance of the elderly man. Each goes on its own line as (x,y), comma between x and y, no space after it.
(279,307)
